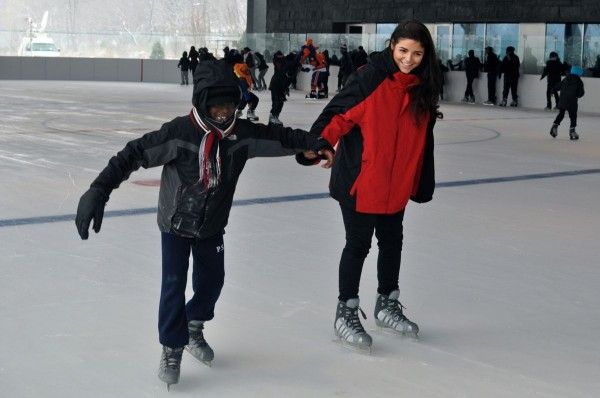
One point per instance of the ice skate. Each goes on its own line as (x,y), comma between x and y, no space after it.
(311,95)
(554,130)
(170,362)
(514,103)
(250,115)
(573,136)
(389,316)
(198,347)
(348,328)
(274,120)
(465,99)
(548,108)
(503,102)
(489,103)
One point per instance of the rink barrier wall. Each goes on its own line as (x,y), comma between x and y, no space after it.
(532,90)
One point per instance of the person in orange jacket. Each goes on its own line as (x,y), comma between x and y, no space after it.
(242,71)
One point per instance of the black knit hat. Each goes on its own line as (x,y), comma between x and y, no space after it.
(222,95)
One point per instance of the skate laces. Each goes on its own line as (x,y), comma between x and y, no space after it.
(353,320)
(395,307)
(171,358)
(197,336)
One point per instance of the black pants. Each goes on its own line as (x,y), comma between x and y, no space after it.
(207,280)
(250,99)
(342,79)
(572,115)
(549,92)
(359,232)
(469,90)
(510,83)
(491,86)
(277,100)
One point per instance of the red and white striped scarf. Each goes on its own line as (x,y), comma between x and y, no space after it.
(209,160)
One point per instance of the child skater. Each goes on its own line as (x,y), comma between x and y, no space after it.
(202,154)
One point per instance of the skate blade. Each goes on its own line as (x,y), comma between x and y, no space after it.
(346,345)
(207,363)
(394,332)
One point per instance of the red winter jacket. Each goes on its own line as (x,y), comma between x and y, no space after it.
(384,158)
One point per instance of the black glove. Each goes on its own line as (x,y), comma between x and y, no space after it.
(91,206)
(421,199)
(322,144)
(304,161)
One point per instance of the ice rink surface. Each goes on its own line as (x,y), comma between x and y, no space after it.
(501,270)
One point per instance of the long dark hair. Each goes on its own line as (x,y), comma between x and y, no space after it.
(425,95)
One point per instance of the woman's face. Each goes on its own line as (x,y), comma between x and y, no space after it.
(407,54)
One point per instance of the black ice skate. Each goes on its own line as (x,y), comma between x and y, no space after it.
(250,115)
(170,362)
(348,328)
(503,103)
(554,130)
(198,346)
(573,136)
(388,315)
(274,120)
(514,103)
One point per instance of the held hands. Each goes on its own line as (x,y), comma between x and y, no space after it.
(324,154)
(91,206)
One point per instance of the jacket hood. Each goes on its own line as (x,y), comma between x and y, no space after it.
(211,75)
(384,61)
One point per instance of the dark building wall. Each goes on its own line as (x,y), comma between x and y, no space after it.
(319,16)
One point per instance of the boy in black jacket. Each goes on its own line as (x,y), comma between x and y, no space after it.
(571,89)
(554,69)
(203,154)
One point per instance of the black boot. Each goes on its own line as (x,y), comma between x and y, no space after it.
(573,136)
(554,130)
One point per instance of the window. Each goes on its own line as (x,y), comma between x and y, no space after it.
(591,46)
(467,36)
(502,35)
(566,40)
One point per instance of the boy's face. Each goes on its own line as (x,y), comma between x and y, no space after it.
(221,112)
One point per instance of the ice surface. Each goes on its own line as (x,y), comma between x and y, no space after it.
(503,278)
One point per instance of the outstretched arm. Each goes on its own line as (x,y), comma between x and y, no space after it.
(152,149)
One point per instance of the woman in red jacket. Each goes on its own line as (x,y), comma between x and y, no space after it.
(382,122)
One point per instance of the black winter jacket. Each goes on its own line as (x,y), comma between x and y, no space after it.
(510,66)
(554,69)
(571,89)
(491,64)
(472,67)
(182,210)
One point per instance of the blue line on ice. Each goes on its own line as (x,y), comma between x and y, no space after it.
(281,199)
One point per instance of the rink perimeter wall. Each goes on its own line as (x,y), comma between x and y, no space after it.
(532,90)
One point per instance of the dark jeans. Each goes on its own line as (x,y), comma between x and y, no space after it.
(249,99)
(469,90)
(207,280)
(510,83)
(549,92)
(491,85)
(572,115)
(359,231)
(277,100)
